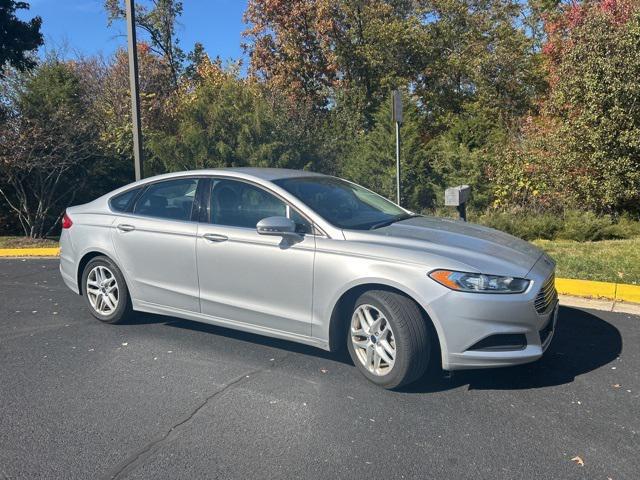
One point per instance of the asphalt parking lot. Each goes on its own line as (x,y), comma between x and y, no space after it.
(167,398)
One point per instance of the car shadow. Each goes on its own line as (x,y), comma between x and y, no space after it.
(582,342)
(251,338)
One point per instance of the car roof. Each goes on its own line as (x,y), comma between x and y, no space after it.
(247,173)
(271,174)
(266,174)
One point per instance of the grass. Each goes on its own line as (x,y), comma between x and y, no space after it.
(605,261)
(26,242)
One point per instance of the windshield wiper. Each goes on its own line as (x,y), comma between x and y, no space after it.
(399,218)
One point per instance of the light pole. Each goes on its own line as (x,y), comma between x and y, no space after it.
(138,158)
(396,117)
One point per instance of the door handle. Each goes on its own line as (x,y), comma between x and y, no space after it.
(214,237)
(123,227)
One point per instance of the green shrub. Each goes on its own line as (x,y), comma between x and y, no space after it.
(626,227)
(572,225)
(523,225)
(585,227)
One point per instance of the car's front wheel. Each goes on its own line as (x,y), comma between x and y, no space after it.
(106,291)
(388,338)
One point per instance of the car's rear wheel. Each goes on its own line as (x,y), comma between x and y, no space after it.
(106,291)
(388,338)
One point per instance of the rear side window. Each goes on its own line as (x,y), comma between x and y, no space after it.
(172,199)
(120,203)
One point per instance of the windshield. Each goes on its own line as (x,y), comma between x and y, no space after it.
(343,204)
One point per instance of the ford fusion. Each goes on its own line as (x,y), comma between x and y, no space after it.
(313,259)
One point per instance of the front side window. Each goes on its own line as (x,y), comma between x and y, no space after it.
(172,199)
(343,204)
(240,204)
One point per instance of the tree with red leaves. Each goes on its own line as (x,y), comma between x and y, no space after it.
(583,151)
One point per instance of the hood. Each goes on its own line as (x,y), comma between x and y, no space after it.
(484,249)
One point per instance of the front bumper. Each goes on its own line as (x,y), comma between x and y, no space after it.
(466,320)
(537,342)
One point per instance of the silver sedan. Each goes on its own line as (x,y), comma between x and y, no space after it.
(313,259)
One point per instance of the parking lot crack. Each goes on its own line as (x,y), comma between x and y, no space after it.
(138,457)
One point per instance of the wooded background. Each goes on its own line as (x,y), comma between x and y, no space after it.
(535,104)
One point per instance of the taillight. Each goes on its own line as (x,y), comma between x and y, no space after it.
(66,221)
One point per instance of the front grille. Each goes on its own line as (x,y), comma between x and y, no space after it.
(547,295)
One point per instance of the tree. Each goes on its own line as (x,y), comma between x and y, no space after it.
(372,162)
(472,69)
(195,58)
(223,120)
(451,52)
(46,144)
(112,108)
(17,37)
(481,61)
(159,22)
(587,135)
(311,47)
(464,154)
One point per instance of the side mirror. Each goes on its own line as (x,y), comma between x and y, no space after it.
(277,226)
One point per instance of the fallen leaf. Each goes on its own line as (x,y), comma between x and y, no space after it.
(324,370)
(578,461)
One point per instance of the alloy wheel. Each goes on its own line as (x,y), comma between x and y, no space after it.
(102,290)
(373,340)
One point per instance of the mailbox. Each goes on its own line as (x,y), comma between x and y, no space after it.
(456,196)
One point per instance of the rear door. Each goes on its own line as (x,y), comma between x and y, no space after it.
(251,278)
(156,244)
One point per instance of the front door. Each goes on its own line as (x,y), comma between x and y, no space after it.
(156,245)
(251,278)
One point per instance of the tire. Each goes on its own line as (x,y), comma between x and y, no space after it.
(98,279)
(402,329)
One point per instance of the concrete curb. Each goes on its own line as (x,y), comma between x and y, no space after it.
(615,292)
(598,304)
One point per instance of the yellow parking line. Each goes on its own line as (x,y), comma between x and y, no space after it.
(30,252)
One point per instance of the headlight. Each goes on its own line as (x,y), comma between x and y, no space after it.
(479,283)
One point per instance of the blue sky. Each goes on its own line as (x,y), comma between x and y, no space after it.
(80,26)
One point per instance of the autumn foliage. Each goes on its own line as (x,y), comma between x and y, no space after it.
(535,104)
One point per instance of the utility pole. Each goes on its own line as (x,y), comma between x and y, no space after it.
(396,117)
(138,158)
